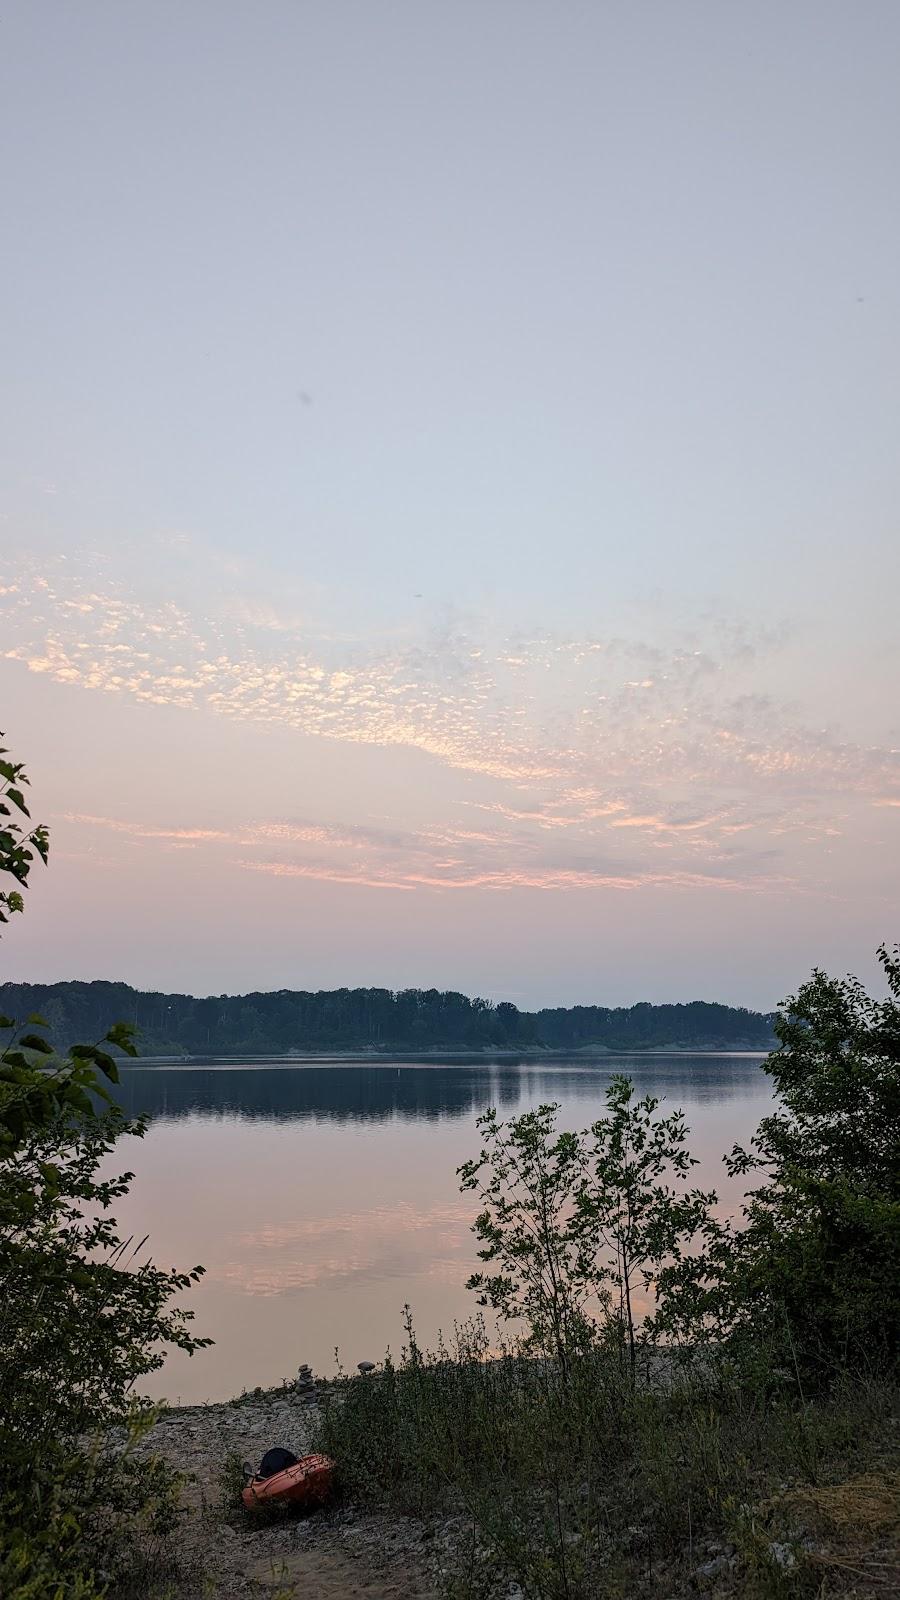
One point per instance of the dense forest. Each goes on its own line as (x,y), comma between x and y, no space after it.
(287,1020)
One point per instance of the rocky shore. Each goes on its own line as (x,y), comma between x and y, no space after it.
(336,1554)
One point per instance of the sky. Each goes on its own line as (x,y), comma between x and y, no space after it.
(449,493)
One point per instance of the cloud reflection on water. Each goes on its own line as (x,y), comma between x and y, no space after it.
(323,1197)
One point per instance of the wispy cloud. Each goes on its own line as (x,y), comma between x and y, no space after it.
(555,710)
(602,763)
(141,830)
(376,859)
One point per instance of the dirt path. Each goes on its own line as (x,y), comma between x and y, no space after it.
(224,1552)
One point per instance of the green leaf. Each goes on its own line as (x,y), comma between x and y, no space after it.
(15,1058)
(34,1021)
(107,1066)
(18,799)
(33,1041)
(99,1058)
(121,1034)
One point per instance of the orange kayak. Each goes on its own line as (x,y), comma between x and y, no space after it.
(308,1482)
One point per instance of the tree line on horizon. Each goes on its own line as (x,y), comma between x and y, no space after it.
(286,1020)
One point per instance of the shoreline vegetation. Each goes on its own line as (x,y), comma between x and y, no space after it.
(681,1404)
(373,1023)
(705,1486)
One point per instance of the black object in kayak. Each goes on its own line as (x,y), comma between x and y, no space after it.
(276,1461)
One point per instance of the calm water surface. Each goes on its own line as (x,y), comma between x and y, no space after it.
(322,1197)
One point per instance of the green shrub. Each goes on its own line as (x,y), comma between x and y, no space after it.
(84,1313)
(810,1281)
(574,1225)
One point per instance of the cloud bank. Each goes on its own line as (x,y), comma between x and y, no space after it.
(602,763)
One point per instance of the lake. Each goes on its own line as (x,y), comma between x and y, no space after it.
(322,1197)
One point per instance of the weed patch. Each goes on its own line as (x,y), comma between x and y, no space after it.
(577,1483)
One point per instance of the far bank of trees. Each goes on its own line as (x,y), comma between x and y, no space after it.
(376,1019)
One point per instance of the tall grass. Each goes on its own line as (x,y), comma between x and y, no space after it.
(578,1483)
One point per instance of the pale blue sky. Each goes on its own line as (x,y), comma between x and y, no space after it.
(483,419)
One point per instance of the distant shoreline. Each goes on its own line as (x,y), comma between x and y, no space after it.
(427,1057)
(357,1025)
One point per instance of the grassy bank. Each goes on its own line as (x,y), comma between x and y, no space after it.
(568,1485)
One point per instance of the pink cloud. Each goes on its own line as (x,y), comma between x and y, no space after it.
(585,758)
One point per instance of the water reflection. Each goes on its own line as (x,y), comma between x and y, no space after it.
(413,1090)
(321,1197)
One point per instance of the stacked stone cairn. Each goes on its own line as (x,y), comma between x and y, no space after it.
(305,1384)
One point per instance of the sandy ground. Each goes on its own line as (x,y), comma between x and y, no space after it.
(225,1552)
